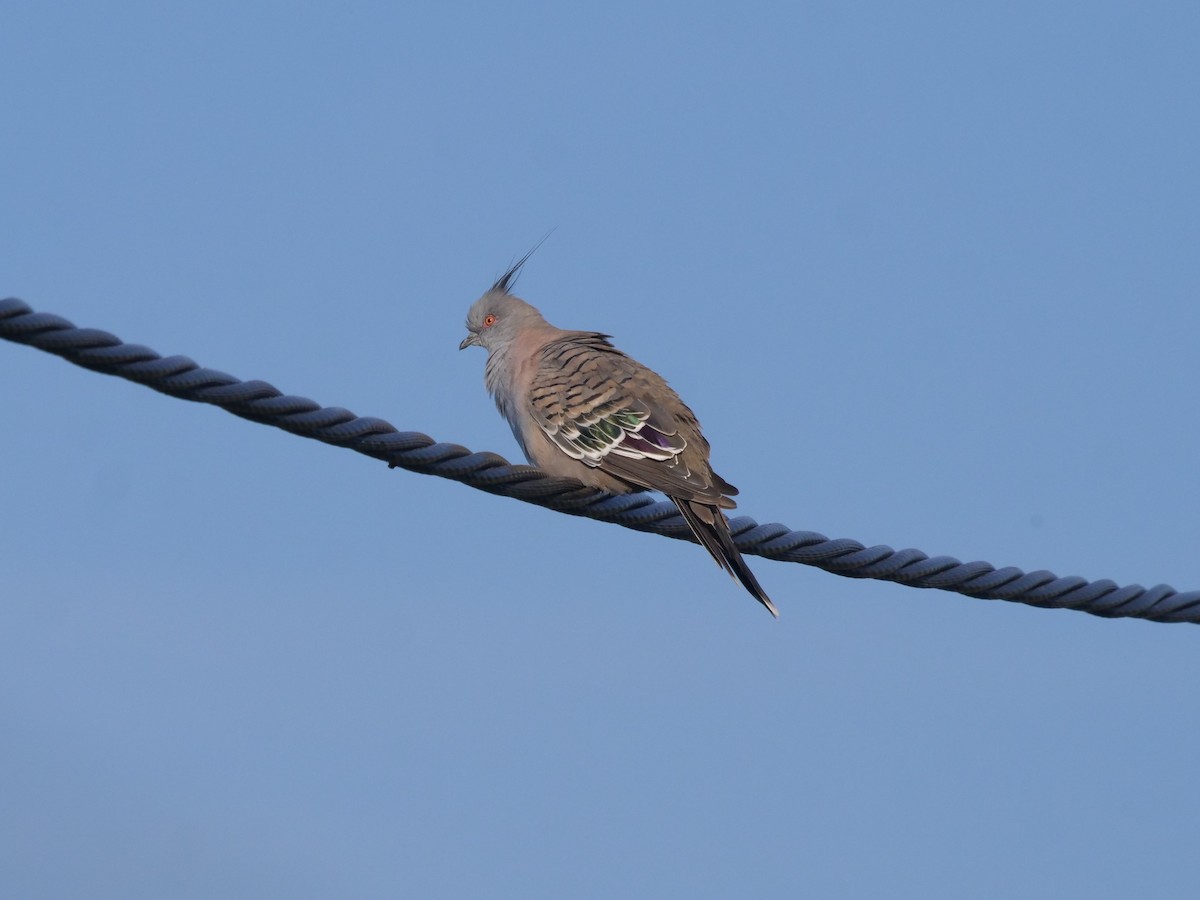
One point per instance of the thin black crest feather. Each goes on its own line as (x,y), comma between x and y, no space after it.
(505,282)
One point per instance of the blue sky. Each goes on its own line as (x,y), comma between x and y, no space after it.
(926,272)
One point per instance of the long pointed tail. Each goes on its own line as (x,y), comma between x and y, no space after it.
(712,531)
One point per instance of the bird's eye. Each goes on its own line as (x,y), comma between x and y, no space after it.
(489,320)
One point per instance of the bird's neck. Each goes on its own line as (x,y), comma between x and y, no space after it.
(498,374)
(510,369)
(506,377)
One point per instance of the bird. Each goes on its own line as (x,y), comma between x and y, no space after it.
(582,409)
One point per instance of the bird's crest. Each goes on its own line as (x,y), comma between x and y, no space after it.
(505,282)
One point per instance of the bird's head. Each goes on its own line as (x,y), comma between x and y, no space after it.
(498,316)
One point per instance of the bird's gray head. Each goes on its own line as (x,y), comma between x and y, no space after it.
(498,316)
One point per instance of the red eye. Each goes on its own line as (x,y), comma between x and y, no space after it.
(489,320)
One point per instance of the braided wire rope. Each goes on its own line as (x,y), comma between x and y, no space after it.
(261,402)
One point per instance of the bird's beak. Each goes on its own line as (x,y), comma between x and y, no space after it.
(471,340)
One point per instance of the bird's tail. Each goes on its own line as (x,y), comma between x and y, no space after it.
(712,531)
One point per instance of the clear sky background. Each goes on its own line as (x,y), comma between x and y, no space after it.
(928,273)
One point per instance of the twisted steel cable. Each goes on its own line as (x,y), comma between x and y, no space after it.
(261,402)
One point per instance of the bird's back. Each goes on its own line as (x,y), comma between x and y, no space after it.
(610,412)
